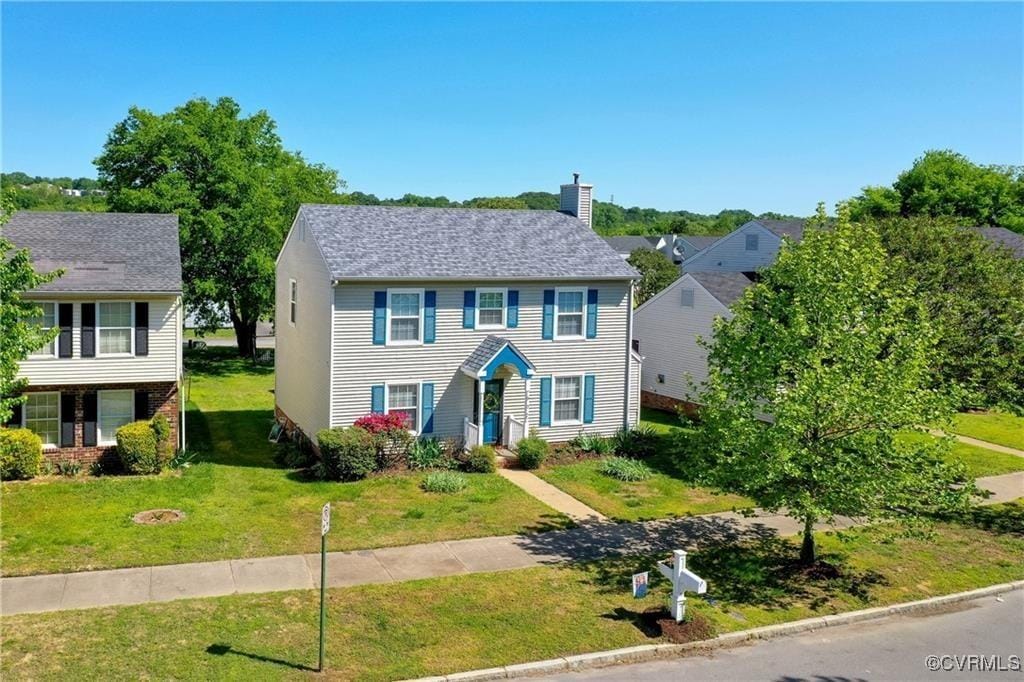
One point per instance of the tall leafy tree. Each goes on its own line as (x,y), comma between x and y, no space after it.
(656,273)
(20,335)
(825,362)
(235,190)
(944,183)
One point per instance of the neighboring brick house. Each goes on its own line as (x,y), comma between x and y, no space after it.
(117,357)
(475,324)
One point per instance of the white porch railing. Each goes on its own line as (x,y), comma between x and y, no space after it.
(515,431)
(470,433)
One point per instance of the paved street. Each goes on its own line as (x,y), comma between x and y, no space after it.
(892,649)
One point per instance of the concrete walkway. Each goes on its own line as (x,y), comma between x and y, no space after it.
(93,589)
(552,496)
(980,443)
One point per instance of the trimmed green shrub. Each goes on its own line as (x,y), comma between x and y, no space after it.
(137,448)
(443,482)
(292,455)
(480,460)
(592,442)
(532,452)
(348,454)
(639,442)
(625,469)
(21,454)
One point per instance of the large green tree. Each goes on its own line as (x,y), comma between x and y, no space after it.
(944,183)
(235,190)
(19,334)
(973,291)
(656,273)
(824,364)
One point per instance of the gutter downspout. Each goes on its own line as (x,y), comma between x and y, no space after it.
(629,359)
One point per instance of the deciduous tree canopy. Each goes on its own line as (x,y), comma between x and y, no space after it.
(656,273)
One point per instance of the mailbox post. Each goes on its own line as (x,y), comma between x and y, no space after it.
(683,579)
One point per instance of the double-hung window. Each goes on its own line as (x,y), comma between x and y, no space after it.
(569,308)
(403,399)
(405,316)
(47,319)
(115,327)
(293,299)
(116,408)
(42,416)
(490,308)
(568,403)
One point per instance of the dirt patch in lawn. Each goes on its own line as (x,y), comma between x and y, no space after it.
(153,517)
(694,628)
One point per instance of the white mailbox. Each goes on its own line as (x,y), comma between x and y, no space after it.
(683,579)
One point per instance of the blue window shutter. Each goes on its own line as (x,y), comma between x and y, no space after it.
(513,309)
(469,309)
(429,316)
(588,399)
(427,400)
(548,326)
(380,305)
(545,401)
(377,399)
(591,313)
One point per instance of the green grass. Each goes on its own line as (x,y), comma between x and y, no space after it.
(980,462)
(444,625)
(995,427)
(228,334)
(668,493)
(238,503)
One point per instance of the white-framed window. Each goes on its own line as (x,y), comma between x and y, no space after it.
(47,319)
(115,326)
(567,405)
(491,308)
(293,299)
(404,399)
(405,317)
(751,242)
(570,307)
(686,298)
(114,410)
(41,415)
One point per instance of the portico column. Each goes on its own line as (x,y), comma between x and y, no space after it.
(480,412)
(526,408)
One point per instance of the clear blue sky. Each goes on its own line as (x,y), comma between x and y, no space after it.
(695,106)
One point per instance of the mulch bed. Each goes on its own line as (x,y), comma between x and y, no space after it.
(694,628)
(567,453)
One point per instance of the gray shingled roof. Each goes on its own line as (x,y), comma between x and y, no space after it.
(109,252)
(700,242)
(727,287)
(794,229)
(630,243)
(487,349)
(404,242)
(1004,237)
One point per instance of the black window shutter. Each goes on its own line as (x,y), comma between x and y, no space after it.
(142,404)
(15,421)
(67,420)
(65,315)
(89,332)
(89,418)
(141,328)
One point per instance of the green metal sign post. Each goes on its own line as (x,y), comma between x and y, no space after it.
(325,526)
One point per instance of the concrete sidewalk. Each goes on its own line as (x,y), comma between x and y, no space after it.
(396,564)
(551,496)
(979,443)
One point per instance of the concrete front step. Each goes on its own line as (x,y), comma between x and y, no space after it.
(506,459)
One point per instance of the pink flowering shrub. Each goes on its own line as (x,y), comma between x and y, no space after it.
(380,423)
(391,433)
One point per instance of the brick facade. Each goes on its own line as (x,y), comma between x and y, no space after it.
(666,403)
(163,399)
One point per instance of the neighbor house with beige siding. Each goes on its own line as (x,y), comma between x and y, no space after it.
(117,355)
(474,324)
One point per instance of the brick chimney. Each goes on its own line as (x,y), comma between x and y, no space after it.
(577,200)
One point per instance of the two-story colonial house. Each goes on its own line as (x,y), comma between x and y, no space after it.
(473,323)
(117,356)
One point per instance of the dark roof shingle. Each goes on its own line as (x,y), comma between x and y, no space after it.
(1004,237)
(794,229)
(404,242)
(727,287)
(630,243)
(101,252)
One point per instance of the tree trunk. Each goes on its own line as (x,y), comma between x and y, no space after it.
(245,335)
(807,550)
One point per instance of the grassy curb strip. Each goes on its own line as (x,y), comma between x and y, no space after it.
(649,652)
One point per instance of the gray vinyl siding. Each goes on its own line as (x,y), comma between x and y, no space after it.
(358,364)
(730,254)
(634,390)
(163,363)
(668,334)
(302,357)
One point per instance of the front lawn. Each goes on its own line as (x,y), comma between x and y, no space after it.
(995,427)
(444,625)
(238,502)
(980,462)
(668,493)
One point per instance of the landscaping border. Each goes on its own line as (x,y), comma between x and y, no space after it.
(649,652)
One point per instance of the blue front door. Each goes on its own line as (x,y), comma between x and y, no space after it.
(492,410)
